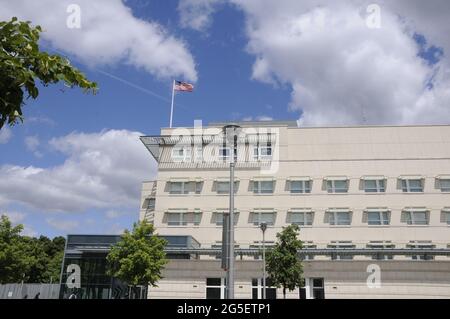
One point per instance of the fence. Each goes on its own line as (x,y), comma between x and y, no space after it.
(29,291)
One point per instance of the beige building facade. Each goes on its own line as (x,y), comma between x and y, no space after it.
(380,188)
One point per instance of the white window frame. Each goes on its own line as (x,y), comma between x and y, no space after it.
(186,157)
(257,187)
(444,189)
(258,153)
(383,217)
(218,217)
(380,186)
(227,156)
(182,220)
(227,191)
(304,218)
(303,189)
(257,220)
(341,245)
(198,154)
(332,189)
(333,218)
(406,187)
(446,212)
(184,190)
(222,286)
(411,221)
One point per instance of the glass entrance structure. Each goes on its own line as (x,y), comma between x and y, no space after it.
(86,256)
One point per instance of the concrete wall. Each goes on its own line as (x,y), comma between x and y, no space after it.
(19,291)
(342,279)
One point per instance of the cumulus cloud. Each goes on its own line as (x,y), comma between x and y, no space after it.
(102,170)
(108,34)
(197,14)
(341,71)
(5,135)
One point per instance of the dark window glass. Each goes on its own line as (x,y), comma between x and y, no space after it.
(213,282)
(212,293)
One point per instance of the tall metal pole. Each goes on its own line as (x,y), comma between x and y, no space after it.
(233,138)
(263,227)
(264,265)
(171,107)
(230,279)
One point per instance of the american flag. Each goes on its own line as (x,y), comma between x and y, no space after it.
(183,86)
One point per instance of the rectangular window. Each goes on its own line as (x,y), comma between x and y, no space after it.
(421,245)
(301,218)
(224,187)
(340,218)
(176,219)
(257,289)
(337,186)
(375,186)
(181,154)
(300,187)
(379,218)
(151,204)
(224,153)
(263,217)
(183,218)
(446,216)
(341,245)
(198,154)
(178,188)
(318,289)
(218,218)
(412,185)
(183,188)
(215,288)
(444,184)
(262,153)
(263,187)
(415,217)
(380,245)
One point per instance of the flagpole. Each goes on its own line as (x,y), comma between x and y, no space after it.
(173,98)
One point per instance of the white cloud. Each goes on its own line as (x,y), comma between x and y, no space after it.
(5,135)
(197,14)
(109,34)
(32,144)
(102,170)
(63,225)
(341,71)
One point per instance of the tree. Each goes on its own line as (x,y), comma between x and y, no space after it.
(14,261)
(283,261)
(33,260)
(22,63)
(139,257)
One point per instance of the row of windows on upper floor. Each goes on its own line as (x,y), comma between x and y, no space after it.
(304,186)
(348,244)
(306,217)
(188,154)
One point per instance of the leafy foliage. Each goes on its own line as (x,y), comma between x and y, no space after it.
(33,260)
(139,258)
(22,63)
(283,262)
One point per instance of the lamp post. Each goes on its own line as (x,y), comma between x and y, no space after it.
(231,133)
(263,227)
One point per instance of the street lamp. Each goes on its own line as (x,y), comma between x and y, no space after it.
(263,227)
(231,133)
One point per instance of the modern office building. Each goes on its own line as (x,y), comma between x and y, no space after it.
(372,202)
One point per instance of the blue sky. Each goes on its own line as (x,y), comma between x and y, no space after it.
(248,63)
